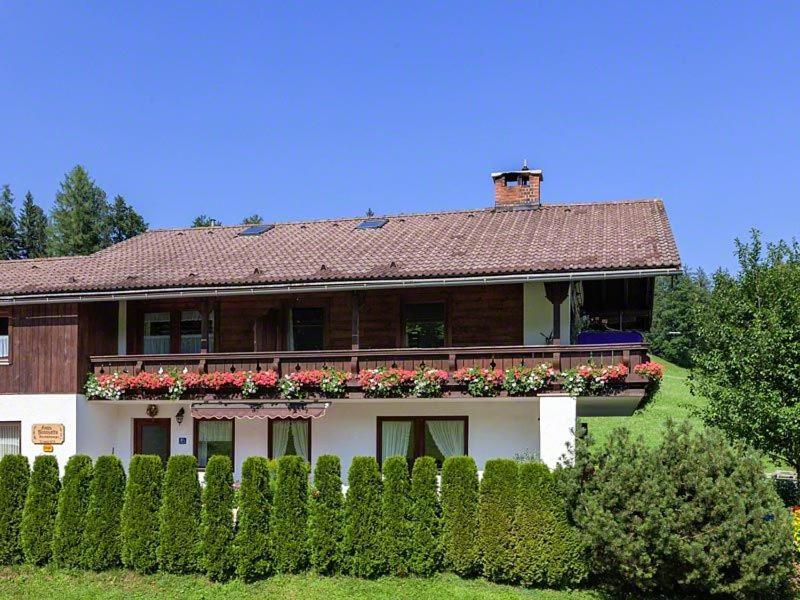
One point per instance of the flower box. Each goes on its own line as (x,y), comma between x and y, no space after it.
(386,382)
(593,380)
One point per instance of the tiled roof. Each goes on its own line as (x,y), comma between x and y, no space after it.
(553,238)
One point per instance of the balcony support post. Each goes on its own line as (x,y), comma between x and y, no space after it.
(204,310)
(355,326)
(556,292)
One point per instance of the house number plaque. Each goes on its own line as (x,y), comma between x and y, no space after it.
(48,433)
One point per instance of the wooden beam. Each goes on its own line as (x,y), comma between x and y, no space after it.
(556,292)
(355,320)
(204,310)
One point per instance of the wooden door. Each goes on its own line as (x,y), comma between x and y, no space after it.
(152,436)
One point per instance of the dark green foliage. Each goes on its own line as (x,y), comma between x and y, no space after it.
(123,221)
(39,515)
(460,515)
(788,491)
(693,516)
(326,516)
(80,217)
(747,361)
(205,221)
(140,514)
(216,525)
(14,476)
(32,229)
(102,543)
(73,502)
(425,556)
(497,505)
(254,219)
(396,515)
(362,540)
(288,527)
(254,558)
(548,551)
(179,532)
(9,241)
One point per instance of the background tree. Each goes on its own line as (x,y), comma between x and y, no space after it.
(205,221)
(747,361)
(123,221)
(9,242)
(80,217)
(32,229)
(254,219)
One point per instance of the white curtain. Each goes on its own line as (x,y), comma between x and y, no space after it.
(449,436)
(394,438)
(300,437)
(9,438)
(191,342)
(211,431)
(3,346)
(280,438)
(155,344)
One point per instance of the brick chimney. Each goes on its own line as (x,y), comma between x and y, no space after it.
(517,188)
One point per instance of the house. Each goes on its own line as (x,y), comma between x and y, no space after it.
(515,283)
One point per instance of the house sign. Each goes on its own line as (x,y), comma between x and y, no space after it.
(48,433)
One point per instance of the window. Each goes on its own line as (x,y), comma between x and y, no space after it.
(308,328)
(290,437)
(10,437)
(424,325)
(5,330)
(156,333)
(412,437)
(191,328)
(212,437)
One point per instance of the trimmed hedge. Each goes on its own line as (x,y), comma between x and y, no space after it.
(326,515)
(425,557)
(547,549)
(289,524)
(73,503)
(139,521)
(102,543)
(497,504)
(362,540)
(39,514)
(14,477)
(179,532)
(216,524)
(253,554)
(460,515)
(396,515)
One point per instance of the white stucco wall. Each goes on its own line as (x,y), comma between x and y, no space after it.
(558,416)
(538,315)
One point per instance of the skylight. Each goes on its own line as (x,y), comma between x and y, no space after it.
(372,223)
(256,229)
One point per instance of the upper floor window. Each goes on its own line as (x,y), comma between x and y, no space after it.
(191,329)
(10,437)
(308,329)
(213,437)
(156,333)
(424,325)
(5,337)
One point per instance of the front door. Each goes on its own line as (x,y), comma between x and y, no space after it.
(152,436)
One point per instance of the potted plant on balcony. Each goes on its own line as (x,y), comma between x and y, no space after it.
(480,382)
(429,383)
(386,382)
(522,381)
(593,380)
(333,383)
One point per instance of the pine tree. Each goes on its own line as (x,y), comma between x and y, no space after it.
(123,221)
(9,242)
(80,217)
(254,219)
(205,221)
(32,229)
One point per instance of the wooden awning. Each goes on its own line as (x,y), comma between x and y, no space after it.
(258,412)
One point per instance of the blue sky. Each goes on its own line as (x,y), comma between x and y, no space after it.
(325,110)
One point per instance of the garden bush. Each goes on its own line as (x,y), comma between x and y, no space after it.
(396,515)
(497,504)
(424,558)
(788,491)
(14,476)
(693,516)
(253,553)
(548,550)
(102,543)
(326,515)
(362,540)
(179,531)
(289,524)
(139,521)
(39,514)
(216,524)
(460,515)
(73,502)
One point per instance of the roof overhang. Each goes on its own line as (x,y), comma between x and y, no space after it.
(325,286)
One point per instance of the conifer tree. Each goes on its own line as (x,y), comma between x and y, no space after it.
(73,504)
(32,229)
(254,558)
(123,221)
(254,219)
(14,476)
(102,541)
(80,217)
(9,242)
(39,514)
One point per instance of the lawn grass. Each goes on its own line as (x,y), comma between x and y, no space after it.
(32,582)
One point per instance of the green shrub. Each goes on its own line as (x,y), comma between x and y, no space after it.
(14,475)
(102,543)
(179,531)
(424,559)
(253,553)
(460,515)
(693,516)
(288,527)
(39,514)
(73,502)
(548,549)
(326,516)
(788,491)
(496,507)
(216,524)
(396,515)
(139,521)
(362,540)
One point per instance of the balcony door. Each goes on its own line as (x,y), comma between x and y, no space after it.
(152,436)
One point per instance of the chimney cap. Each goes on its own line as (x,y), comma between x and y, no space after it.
(524,171)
